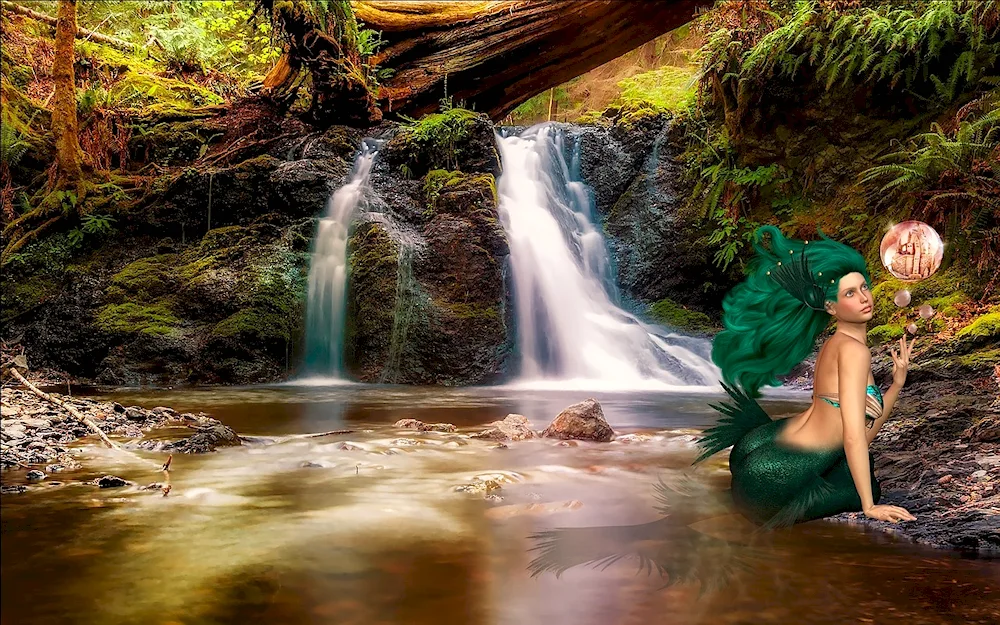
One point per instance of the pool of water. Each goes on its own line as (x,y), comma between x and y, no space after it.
(379,525)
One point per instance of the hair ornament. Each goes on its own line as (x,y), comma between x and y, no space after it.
(796,278)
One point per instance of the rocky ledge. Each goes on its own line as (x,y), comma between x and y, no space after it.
(939,457)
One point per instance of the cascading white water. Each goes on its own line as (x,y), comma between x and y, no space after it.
(570,330)
(327,288)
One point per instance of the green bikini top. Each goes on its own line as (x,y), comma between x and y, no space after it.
(873,402)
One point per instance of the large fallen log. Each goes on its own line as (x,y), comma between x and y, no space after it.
(81,33)
(495,55)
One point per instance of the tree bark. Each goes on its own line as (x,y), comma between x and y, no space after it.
(498,54)
(341,93)
(65,126)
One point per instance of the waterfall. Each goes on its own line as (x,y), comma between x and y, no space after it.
(571,331)
(327,288)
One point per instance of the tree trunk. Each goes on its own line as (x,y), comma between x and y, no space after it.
(325,44)
(65,127)
(496,55)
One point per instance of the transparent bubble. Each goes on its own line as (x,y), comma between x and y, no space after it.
(926,311)
(912,328)
(902,298)
(912,251)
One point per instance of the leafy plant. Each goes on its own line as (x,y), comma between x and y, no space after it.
(950,177)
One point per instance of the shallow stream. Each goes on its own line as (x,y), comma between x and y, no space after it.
(381,525)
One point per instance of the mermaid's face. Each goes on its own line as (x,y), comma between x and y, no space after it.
(854,301)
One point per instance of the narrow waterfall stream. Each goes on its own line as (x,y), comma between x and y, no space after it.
(327,294)
(571,331)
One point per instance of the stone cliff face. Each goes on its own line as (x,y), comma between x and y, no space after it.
(205,283)
(639,190)
(427,301)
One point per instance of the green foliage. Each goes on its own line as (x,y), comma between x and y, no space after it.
(94,225)
(937,48)
(949,178)
(668,312)
(437,136)
(13,146)
(668,88)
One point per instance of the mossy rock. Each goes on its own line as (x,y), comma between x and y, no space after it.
(885,333)
(254,324)
(172,143)
(983,331)
(455,139)
(668,312)
(144,279)
(459,193)
(371,297)
(132,318)
(941,289)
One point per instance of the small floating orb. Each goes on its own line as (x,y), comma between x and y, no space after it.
(912,328)
(911,251)
(926,311)
(902,298)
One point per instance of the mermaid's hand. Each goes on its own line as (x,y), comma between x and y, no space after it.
(901,360)
(889,513)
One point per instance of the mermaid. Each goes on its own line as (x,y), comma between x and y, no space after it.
(817,463)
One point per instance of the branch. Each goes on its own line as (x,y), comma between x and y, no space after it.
(81,33)
(79,416)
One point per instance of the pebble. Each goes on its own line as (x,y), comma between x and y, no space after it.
(944,479)
(35,475)
(979,475)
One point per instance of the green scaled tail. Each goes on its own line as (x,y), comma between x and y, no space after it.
(737,419)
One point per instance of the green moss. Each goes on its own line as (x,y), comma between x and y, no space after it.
(926,291)
(471,311)
(374,273)
(984,328)
(885,333)
(980,360)
(667,312)
(132,318)
(253,324)
(451,126)
(19,297)
(635,114)
(593,118)
(439,181)
(139,86)
(144,279)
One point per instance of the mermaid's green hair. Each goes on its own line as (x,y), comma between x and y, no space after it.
(768,330)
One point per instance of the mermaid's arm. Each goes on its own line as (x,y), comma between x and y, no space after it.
(854,363)
(900,365)
(888,401)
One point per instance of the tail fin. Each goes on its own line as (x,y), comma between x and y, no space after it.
(738,419)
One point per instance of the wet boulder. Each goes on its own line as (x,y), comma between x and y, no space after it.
(302,187)
(513,427)
(455,139)
(581,421)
